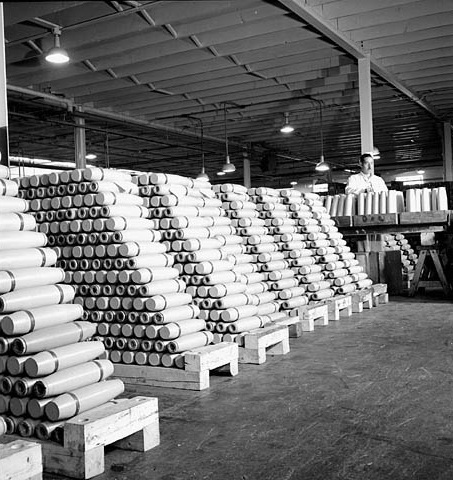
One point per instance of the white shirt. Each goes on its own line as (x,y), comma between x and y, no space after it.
(360,183)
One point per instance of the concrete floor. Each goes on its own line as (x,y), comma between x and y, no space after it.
(369,397)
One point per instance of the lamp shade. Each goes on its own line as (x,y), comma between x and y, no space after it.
(57,55)
(203,176)
(322,166)
(287,128)
(228,167)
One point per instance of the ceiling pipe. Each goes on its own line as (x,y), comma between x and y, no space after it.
(70,104)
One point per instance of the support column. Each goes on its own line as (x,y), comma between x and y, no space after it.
(4,143)
(366,113)
(246,164)
(79,141)
(447,152)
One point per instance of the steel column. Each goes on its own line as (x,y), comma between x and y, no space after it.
(4,145)
(80,141)
(446,152)
(366,113)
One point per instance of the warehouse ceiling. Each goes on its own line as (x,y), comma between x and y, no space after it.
(150,76)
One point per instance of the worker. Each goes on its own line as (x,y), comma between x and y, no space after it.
(365,181)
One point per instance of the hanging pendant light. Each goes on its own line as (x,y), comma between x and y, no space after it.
(202,175)
(227,167)
(287,128)
(322,165)
(57,54)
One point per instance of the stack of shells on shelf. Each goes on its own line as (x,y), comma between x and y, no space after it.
(364,203)
(209,255)
(113,256)
(426,199)
(393,201)
(49,373)
(333,269)
(408,256)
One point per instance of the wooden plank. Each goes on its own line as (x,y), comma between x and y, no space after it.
(377,219)
(440,271)
(60,460)
(343,221)
(273,340)
(418,272)
(20,460)
(337,305)
(293,323)
(314,313)
(393,272)
(440,216)
(212,357)
(109,423)
(162,377)
(360,299)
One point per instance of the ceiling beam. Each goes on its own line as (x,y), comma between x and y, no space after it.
(310,16)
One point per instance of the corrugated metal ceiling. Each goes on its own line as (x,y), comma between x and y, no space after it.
(160,62)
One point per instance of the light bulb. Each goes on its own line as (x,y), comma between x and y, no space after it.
(287,129)
(57,55)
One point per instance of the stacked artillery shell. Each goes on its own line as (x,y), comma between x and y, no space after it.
(292,248)
(365,203)
(48,373)
(197,237)
(408,256)
(335,269)
(124,276)
(267,268)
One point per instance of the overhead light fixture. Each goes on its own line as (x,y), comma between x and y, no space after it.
(202,175)
(376,153)
(91,156)
(287,128)
(228,167)
(220,173)
(57,54)
(322,165)
(420,172)
(293,183)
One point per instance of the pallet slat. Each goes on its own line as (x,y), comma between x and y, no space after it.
(20,460)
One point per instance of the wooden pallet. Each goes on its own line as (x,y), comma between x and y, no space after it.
(272,340)
(20,460)
(293,323)
(338,305)
(310,314)
(380,295)
(362,299)
(129,424)
(194,376)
